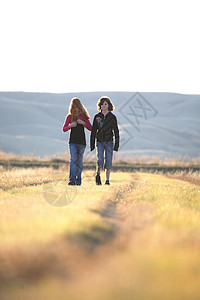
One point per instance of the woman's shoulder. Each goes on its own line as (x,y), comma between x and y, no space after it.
(68,116)
(99,114)
(83,118)
(112,115)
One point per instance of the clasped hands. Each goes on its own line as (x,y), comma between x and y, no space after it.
(79,121)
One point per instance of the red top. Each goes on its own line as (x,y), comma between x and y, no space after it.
(69,121)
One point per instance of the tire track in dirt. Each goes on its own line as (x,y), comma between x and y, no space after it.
(77,256)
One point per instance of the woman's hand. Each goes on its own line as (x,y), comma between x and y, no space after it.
(73,124)
(79,121)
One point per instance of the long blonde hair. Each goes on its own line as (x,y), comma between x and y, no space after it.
(83,111)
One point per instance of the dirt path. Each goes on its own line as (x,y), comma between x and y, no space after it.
(140,236)
(85,252)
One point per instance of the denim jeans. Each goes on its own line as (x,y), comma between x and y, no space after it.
(76,162)
(106,147)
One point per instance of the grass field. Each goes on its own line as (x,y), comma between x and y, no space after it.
(138,238)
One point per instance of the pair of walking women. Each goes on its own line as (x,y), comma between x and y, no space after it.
(103,129)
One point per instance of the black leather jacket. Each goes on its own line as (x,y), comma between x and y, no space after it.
(103,129)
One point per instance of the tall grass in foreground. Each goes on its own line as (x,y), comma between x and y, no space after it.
(19,177)
(135,239)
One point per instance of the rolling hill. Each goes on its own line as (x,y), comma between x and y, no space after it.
(154,124)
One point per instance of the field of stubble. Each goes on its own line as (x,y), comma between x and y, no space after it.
(138,238)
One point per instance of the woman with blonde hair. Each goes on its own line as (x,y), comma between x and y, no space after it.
(77,118)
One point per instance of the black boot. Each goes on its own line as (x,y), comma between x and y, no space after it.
(98,180)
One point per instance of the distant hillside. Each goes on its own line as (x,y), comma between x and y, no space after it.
(160,124)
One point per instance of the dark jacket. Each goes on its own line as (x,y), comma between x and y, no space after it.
(103,129)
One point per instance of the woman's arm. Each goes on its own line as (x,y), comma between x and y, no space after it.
(66,125)
(86,123)
(93,134)
(116,131)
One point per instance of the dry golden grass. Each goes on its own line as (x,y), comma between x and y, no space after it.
(192,177)
(145,159)
(12,156)
(19,177)
(137,159)
(135,239)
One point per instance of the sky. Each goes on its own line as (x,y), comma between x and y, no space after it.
(60,46)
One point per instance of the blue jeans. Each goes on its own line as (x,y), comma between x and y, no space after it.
(76,162)
(108,148)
